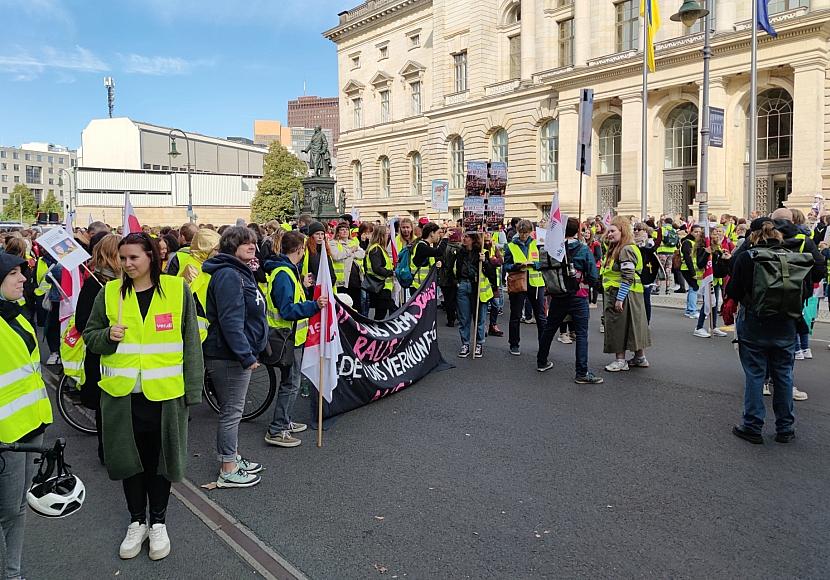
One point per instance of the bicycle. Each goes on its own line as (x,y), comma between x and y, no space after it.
(261,392)
(73,411)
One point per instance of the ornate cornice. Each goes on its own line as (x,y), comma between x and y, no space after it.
(369,13)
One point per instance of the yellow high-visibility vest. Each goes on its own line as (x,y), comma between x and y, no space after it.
(339,266)
(199,287)
(43,283)
(613,279)
(275,320)
(387,282)
(184,259)
(419,275)
(24,402)
(534,276)
(152,350)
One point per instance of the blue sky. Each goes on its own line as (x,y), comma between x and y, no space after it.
(210,66)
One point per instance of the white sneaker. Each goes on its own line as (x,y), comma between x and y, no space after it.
(617,366)
(767,390)
(159,542)
(131,546)
(702,333)
(799,395)
(719,332)
(808,354)
(799,355)
(564,338)
(53,359)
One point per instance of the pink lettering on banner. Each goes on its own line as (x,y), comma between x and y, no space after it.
(164,322)
(381,394)
(373,350)
(422,299)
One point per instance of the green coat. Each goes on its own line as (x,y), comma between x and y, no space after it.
(120,451)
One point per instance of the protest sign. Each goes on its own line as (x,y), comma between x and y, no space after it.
(498,178)
(440,195)
(62,246)
(473,213)
(476,184)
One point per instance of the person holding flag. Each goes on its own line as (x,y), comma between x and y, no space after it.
(288,308)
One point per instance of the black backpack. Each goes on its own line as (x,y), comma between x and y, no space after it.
(560,277)
(778,281)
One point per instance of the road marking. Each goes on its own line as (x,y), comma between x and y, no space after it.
(240,539)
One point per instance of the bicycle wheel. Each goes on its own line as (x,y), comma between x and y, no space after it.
(72,410)
(261,392)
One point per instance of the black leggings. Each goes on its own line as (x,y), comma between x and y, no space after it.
(149,484)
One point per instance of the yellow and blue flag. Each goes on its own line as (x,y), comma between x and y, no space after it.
(650,10)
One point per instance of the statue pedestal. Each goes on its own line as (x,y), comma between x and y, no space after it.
(318,198)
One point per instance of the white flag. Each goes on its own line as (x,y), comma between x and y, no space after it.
(555,236)
(131,225)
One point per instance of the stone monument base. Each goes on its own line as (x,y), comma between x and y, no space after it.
(318,198)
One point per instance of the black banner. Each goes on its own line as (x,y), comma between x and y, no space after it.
(383,357)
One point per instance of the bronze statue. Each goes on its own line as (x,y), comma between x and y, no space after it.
(319,159)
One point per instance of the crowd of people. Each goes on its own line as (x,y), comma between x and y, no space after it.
(161,307)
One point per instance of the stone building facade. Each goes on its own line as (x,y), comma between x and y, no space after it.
(426,85)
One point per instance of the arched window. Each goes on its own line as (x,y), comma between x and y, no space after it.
(775,125)
(415,173)
(549,148)
(357,179)
(457,168)
(499,146)
(610,145)
(514,16)
(681,137)
(385,177)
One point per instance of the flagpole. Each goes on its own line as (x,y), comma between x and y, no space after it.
(753,113)
(644,144)
(320,386)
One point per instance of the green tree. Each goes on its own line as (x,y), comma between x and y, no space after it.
(51,204)
(281,177)
(11,209)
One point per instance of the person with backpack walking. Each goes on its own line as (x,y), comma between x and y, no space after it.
(580,274)
(766,325)
(427,252)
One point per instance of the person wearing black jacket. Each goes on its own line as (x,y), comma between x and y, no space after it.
(427,250)
(237,334)
(467,261)
(378,266)
(446,277)
(688,269)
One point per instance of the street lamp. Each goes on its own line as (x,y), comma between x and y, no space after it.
(61,171)
(690,12)
(175,153)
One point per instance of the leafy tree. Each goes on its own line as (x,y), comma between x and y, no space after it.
(281,178)
(52,205)
(11,209)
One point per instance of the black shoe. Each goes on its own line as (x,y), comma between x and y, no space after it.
(679,291)
(589,379)
(785,437)
(544,367)
(754,438)
(465,351)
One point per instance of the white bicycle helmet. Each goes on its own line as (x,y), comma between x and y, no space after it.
(57,497)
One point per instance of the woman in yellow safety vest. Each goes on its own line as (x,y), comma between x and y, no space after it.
(521,259)
(379,276)
(144,327)
(313,251)
(406,234)
(626,327)
(24,408)
(347,254)
(473,291)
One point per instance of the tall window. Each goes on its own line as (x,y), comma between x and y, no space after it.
(385,177)
(460,65)
(776,6)
(775,125)
(357,178)
(499,150)
(628,25)
(34,174)
(566,42)
(549,147)
(385,106)
(515,46)
(681,137)
(415,93)
(415,173)
(357,107)
(457,163)
(610,145)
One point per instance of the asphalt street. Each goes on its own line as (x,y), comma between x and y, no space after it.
(492,470)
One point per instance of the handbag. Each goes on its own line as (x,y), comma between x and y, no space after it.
(279,351)
(371,284)
(516,282)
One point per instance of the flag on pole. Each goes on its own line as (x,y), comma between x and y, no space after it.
(392,247)
(322,347)
(651,12)
(763,18)
(131,224)
(608,218)
(555,235)
(708,271)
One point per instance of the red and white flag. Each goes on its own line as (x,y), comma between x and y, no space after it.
(555,235)
(131,225)
(70,281)
(708,271)
(608,218)
(322,346)
(392,248)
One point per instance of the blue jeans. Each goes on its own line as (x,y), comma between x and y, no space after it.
(647,302)
(230,383)
(558,310)
(767,345)
(15,480)
(287,393)
(465,301)
(803,341)
(691,301)
(496,304)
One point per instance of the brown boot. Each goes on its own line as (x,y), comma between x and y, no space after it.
(494,330)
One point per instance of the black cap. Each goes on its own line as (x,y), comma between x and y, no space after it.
(315,227)
(7,263)
(758,223)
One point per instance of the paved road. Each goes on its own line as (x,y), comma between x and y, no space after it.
(491,470)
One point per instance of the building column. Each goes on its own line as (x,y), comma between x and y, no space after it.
(632,123)
(582,33)
(720,200)
(528,29)
(808,132)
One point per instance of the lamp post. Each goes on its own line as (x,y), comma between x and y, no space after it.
(689,13)
(175,153)
(71,189)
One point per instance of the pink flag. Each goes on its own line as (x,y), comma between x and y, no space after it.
(393,246)
(322,346)
(131,225)
(71,280)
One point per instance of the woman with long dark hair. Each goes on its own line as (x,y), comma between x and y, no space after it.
(144,327)
(474,292)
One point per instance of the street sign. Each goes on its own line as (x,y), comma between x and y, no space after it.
(716,123)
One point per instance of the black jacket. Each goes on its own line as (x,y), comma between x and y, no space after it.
(422,252)
(235,310)
(466,266)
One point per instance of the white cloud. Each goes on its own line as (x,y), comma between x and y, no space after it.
(159,65)
(27,65)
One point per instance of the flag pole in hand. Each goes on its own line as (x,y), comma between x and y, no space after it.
(320,385)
